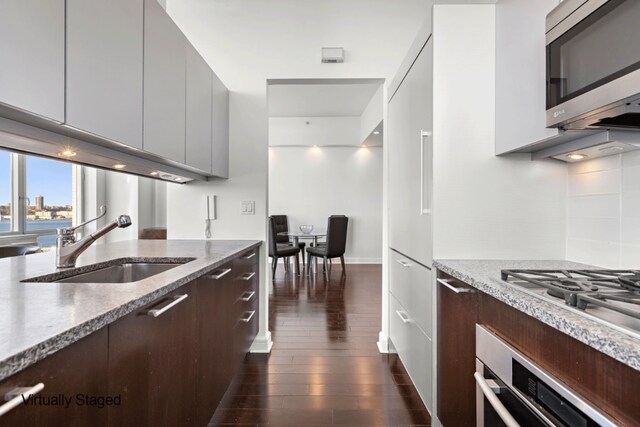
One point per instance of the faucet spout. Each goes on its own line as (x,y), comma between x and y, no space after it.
(68,249)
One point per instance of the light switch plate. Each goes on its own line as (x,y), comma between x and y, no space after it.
(248,207)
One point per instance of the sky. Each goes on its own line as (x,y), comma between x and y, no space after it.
(47,178)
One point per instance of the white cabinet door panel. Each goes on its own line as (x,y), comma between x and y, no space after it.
(32,56)
(164,84)
(198,121)
(220,131)
(104,68)
(410,119)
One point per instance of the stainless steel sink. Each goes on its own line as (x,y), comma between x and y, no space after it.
(120,271)
(123,273)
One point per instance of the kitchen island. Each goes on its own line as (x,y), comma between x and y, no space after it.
(598,361)
(110,326)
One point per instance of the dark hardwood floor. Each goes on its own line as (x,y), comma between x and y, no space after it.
(325,368)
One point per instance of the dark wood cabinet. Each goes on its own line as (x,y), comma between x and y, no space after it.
(608,384)
(78,373)
(152,362)
(227,324)
(457,318)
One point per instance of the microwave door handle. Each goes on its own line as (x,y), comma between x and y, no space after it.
(506,417)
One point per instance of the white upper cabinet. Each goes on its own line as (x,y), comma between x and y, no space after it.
(164,84)
(220,128)
(520,73)
(199,86)
(104,68)
(409,126)
(32,56)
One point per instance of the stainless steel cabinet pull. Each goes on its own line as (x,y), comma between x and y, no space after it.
(247,298)
(251,255)
(423,210)
(403,263)
(14,397)
(494,401)
(247,276)
(220,274)
(248,319)
(175,301)
(453,288)
(403,316)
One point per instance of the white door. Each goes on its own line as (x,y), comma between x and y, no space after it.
(409,125)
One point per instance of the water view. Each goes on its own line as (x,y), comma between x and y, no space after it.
(44,241)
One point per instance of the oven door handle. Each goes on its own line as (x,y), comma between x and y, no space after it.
(494,401)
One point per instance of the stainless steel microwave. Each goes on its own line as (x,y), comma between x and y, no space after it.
(593,64)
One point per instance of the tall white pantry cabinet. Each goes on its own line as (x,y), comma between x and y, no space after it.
(410,170)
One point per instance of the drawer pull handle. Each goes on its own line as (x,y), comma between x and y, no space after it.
(453,288)
(248,319)
(403,263)
(403,316)
(251,255)
(247,276)
(14,397)
(506,417)
(248,297)
(174,301)
(220,274)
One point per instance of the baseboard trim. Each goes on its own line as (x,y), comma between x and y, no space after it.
(383,343)
(262,344)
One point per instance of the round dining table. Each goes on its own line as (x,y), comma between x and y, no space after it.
(297,235)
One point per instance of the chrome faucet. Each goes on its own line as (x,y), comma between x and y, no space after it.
(68,249)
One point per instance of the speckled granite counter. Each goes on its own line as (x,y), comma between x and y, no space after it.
(37,319)
(485,276)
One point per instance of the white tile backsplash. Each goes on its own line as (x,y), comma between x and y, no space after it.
(603,211)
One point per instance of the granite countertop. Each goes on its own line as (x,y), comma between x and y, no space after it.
(485,276)
(38,319)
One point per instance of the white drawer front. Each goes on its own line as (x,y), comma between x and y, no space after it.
(414,349)
(411,284)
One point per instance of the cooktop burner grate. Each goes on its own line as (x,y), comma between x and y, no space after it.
(617,290)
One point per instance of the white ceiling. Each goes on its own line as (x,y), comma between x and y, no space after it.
(320,100)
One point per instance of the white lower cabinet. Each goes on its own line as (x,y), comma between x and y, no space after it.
(410,282)
(414,348)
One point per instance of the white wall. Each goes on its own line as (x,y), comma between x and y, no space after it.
(604,211)
(314,130)
(309,184)
(247,42)
(372,115)
(485,206)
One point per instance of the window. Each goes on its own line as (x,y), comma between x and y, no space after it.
(37,196)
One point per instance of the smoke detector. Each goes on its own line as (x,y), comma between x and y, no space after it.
(332,55)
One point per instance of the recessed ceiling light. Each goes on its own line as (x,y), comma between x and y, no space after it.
(178,179)
(154,173)
(67,152)
(377,132)
(577,156)
(364,145)
(314,145)
(119,166)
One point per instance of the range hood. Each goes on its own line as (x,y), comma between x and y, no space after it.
(600,144)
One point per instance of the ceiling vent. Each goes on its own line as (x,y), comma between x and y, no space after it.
(332,55)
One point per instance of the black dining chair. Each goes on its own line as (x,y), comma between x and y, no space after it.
(279,250)
(282,226)
(335,244)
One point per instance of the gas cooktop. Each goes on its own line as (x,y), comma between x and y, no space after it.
(609,295)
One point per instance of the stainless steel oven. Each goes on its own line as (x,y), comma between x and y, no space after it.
(512,391)
(593,64)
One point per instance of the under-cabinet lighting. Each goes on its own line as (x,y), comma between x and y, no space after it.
(67,152)
(154,173)
(377,132)
(577,156)
(119,166)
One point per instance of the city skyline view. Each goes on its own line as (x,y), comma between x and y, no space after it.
(47,178)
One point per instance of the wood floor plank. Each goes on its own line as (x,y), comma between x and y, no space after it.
(325,368)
